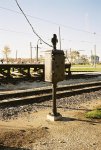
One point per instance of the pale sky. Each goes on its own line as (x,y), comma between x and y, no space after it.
(78,21)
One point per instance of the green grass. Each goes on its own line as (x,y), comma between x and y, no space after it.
(86,68)
(94,114)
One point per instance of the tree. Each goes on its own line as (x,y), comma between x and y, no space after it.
(6,52)
(74,55)
(84,59)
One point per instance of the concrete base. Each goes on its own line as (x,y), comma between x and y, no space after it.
(51,117)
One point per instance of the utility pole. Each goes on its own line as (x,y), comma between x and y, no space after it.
(95,55)
(70,55)
(37,49)
(16,54)
(31,52)
(94,51)
(60,37)
(91,57)
(37,53)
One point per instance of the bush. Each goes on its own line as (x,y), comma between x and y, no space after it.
(95,114)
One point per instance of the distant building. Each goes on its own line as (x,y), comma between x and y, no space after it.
(94,59)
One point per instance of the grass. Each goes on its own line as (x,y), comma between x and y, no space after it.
(94,114)
(86,68)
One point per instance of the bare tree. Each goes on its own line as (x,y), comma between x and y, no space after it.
(6,52)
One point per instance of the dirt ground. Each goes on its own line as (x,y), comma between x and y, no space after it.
(34,132)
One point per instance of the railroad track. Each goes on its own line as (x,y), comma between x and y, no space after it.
(45,93)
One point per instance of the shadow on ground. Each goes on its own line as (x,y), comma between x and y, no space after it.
(11,148)
(91,121)
(16,80)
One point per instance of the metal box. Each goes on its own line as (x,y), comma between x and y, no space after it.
(54,66)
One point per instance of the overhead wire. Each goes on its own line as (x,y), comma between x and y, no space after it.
(31,24)
(8,30)
(19,32)
(2,29)
(34,17)
(45,20)
(9,10)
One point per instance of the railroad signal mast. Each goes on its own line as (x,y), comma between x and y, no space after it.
(54,72)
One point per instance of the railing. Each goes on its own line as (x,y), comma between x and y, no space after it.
(26,69)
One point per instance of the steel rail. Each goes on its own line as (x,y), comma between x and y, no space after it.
(45,93)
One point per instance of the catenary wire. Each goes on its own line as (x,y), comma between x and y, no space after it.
(13,31)
(19,32)
(45,20)
(31,25)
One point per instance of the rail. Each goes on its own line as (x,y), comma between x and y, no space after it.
(44,94)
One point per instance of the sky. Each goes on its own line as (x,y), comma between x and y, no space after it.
(79,22)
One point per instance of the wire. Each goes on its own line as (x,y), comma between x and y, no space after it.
(31,25)
(62,25)
(8,30)
(19,32)
(65,26)
(29,16)
(9,10)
